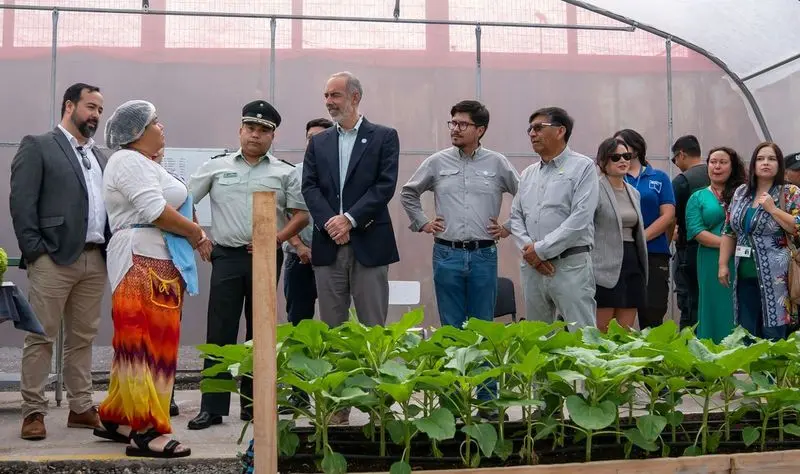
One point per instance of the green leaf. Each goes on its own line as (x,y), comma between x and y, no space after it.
(492,331)
(792,429)
(400,467)
(550,426)
(401,392)
(674,418)
(531,363)
(693,451)
(651,426)
(462,358)
(361,381)
(713,441)
(349,393)
(567,376)
(216,369)
(219,386)
(662,334)
(396,431)
(310,368)
(519,403)
(295,381)
(230,352)
(751,434)
(485,434)
(396,370)
(309,332)
(409,320)
(288,443)
(504,448)
(636,437)
(440,425)
(589,417)
(333,463)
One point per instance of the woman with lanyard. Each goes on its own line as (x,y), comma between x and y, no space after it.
(762,216)
(658,211)
(705,217)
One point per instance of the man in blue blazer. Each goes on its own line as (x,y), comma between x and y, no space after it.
(349,177)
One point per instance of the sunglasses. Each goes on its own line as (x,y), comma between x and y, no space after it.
(538,127)
(615,157)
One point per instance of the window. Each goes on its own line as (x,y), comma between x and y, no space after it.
(33,28)
(220,32)
(619,43)
(508,39)
(361,35)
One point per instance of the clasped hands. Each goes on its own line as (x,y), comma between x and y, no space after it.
(542,266)
(338,227)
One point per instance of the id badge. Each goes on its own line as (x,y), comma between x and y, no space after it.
(742,251)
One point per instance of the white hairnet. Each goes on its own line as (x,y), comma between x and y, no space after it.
(128,122)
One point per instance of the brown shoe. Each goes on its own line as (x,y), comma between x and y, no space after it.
(33,427)
(89,419)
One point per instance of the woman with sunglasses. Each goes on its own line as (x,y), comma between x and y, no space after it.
(658,210)
(705,217)
(619,255)
(762,215)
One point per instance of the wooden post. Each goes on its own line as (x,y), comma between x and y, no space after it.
(265,411)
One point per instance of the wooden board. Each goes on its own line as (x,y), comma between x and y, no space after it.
(778,462)
(265,410)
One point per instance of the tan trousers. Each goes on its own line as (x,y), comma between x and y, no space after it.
(74,292)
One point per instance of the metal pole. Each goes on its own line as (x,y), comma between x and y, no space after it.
(669,99)
(273,28)
(478,62)
(668,46)
(53,55)
(412,21)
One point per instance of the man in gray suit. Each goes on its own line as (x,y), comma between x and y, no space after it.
(60,221)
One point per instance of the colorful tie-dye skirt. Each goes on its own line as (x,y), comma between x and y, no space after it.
(146,309)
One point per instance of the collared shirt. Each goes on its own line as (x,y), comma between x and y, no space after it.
(231,181)
(555,205)
(347,140)
(308,231)
(655,189)
(468,190)
(96,225)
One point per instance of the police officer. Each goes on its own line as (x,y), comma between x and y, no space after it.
(230,181)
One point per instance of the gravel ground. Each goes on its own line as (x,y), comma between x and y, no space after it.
(190,466)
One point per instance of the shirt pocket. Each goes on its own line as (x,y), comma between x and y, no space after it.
(271,183)
(228,179)
(558,192)
(449,181)
(485,181)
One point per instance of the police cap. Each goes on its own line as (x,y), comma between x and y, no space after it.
(261,112)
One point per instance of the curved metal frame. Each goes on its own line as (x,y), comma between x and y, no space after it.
(697,49)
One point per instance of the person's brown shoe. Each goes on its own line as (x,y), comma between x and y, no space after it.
(33,427)
(89,419)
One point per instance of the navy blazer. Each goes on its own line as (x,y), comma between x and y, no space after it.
(369,186)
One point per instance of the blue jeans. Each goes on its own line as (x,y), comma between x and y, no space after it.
(465,282)
(748,295)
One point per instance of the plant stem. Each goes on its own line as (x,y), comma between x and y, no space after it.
(407,452)
(466,395)
(764,429)
(780,426)
(588,445)
(382,429)
(619,436)
(704,428)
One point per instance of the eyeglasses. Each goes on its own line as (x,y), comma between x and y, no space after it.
(84,159)
(674,159)
(615,157)
(461,126)
(538,127)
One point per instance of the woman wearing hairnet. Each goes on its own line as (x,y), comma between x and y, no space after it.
(150,264)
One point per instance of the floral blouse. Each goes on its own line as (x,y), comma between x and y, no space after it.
(768,240)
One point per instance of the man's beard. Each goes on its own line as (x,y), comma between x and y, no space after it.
(87,128)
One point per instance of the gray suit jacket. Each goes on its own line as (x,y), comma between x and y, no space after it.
(49,200)
(607,251)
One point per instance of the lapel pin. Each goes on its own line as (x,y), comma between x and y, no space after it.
(363,140)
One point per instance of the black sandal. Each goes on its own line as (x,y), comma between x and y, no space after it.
(143,450)
(110,433)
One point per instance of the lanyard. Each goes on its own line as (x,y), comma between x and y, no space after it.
(635,184)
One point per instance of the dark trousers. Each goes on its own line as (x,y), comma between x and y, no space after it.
(657,291)
(299,288)
(686,287)
(751,314)
(231,287)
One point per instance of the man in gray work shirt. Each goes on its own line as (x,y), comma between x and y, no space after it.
(552,222)
(468,182)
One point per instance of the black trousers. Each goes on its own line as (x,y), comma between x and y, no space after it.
(657,291)
(686,287)
(299,288)
(231,287)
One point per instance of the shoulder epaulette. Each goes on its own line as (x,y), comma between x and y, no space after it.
(290,164)
(224,152)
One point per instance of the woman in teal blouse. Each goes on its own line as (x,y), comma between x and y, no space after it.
(705,218)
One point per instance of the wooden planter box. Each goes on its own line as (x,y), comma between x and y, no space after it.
(776,462)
